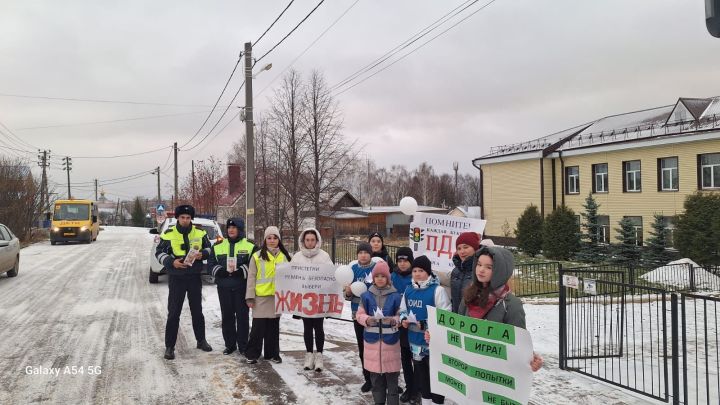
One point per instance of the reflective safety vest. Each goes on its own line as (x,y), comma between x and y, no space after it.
(195,237)
(243,247)
(265,277)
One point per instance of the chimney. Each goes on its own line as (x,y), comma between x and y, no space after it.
(235,178)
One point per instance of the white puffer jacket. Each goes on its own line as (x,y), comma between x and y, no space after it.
(311,256)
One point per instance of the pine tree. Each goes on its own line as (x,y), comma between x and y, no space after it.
(626,252)
(590,249)
(529,231)
(697,233)
(560,234)
(656,253)
(138,214)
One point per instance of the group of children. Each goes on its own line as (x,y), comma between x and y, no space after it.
(390,318)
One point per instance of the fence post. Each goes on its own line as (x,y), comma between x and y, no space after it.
(631,275)
(675,328)
(562,314)
(691,272)
(333,247)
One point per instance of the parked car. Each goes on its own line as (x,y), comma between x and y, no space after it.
(9,252)
(212,228)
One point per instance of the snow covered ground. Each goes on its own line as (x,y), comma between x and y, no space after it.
(92,305)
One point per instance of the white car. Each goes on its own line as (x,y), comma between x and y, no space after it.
(9,252)
(212,228)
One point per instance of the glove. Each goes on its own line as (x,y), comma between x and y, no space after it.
(371,322)
(222,273)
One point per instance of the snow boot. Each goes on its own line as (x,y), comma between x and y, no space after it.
(170,353)
(366,387)
(308,364)
(319,362)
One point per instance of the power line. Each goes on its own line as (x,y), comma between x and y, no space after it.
(21,141)
(119,156)
(422,45)
(147,117)
(218,121)
(230,121)
(291,31)
(412,39)
(273,23)
(90,100)
(308,48)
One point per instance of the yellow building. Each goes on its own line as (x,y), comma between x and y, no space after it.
(635,165)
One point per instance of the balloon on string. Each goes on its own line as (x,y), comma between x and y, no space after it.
(408,206)
(344,275)
(358,288)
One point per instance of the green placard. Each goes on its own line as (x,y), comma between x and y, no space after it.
(459,386)
(485,348)
(490,398)
(480,373)
(477,327)
(454,339)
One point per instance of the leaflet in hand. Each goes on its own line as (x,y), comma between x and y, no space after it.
(190,258)
(411,318)
(231,264)
(378,314)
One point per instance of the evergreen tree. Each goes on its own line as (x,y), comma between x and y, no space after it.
(626,252)
(656,253)
(529,231)
(590,249)
(560,234)
(138,214)
(697,233)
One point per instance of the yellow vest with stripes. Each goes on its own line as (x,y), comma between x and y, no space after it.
(265,277)
(195,238)
(223,248)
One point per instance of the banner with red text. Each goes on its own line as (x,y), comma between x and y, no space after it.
(307,290)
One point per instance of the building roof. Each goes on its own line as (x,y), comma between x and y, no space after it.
(391,209)
(665,121)
(469,212)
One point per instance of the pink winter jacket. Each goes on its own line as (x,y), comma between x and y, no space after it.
(374,352)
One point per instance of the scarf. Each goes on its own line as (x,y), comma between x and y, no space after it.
(274,251)
(476,311)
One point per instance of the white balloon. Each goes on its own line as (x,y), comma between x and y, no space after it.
(358,288)
(344,275)
(408,206)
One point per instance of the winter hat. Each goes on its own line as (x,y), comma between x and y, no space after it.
(469,238)
(272,230)
(376,235)
(185,209)
(424,263)
(364,247)
(381,268)
(239,223)
(404,253)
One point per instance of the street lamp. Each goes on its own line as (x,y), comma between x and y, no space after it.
(264,68)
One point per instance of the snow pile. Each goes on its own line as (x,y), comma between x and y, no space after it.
(675,274)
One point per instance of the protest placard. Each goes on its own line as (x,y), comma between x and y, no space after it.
(477,361)
(307,290)
(434,236)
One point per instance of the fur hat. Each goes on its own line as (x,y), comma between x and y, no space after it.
(424,263)
(364,247)
(471,239)
(184,209)
(381,267)
(272,230)
(404,253)
(239,223)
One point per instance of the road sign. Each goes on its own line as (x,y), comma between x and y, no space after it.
(160,208)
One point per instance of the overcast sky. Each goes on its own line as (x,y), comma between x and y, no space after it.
(515,71)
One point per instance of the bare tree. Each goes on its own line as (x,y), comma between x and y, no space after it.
(207,193)
(423,178)
(20,200)
(329,154)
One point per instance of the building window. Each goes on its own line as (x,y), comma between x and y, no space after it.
(668,174)
(572,180)
(632,182)
(670,226)
(709,170)
(600,178)
(603,229)
(637,224)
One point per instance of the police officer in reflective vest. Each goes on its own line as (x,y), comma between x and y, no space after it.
(228,264)
(178,247)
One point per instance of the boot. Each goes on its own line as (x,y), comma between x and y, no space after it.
(308,364)
(366,387)
(204,346)
(228,350)
(170,353)
(319,362)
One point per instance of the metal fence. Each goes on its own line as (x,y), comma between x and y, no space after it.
(535,279)
(700,357)
(344,251)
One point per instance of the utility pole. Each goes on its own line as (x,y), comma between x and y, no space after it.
(192,164)
(96,180)
(44,163)
(250,147)
(175,196)
(157,171)
(456,165)
(67,166)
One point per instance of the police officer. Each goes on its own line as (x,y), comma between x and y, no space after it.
(176,245)
(229,263)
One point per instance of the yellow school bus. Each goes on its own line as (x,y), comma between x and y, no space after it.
(74,220)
